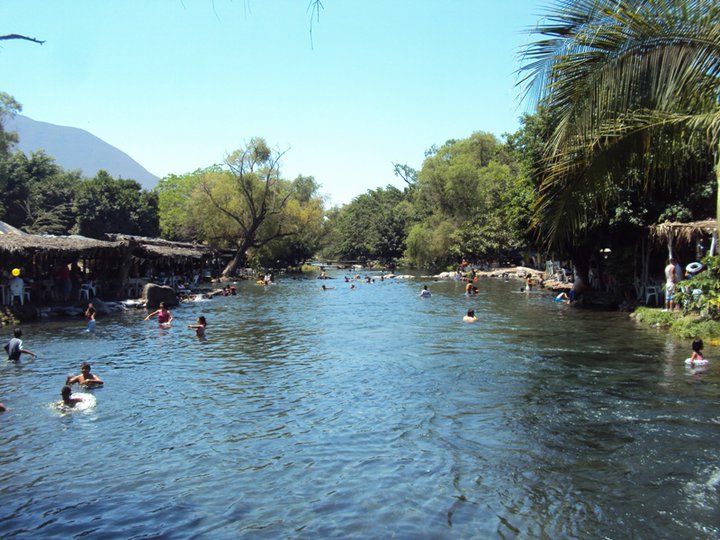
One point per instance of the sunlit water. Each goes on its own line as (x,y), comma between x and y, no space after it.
(367,413)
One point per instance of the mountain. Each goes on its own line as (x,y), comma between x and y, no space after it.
(75,148)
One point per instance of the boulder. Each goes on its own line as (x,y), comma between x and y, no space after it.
(154,294)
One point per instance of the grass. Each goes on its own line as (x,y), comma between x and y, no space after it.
(688,326)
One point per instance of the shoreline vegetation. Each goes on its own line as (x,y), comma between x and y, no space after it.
(681,325)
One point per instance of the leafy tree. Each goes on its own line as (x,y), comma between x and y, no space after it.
(105,205)
(8,108)
(632,86)
(175,198)
(253,202)
(374,225)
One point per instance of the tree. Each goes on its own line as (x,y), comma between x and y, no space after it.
(105,205)
(632,85)
(8,108)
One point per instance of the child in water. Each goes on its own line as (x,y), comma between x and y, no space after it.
(470,317)
(697,347)
(66,399)
(200,326)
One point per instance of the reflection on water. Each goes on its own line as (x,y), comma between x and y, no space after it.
(363,413)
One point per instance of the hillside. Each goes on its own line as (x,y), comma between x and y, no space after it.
(75,148)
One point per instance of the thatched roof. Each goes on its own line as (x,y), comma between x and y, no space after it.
(687,232)
(26,245)
(156,248)
(23,245)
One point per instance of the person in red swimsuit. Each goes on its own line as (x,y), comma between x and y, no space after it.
(164,316)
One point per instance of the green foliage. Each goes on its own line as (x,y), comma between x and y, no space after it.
(373,226)
(708,282)
(175,206)
(430,244)
(8,108)
(689,326)
(105,205)
(634,106)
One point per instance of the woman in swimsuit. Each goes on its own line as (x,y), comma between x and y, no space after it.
(200,326)
(164,316)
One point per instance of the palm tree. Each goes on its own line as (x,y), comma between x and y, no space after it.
(628,84)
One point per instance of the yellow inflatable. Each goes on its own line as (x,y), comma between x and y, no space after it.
(15,272)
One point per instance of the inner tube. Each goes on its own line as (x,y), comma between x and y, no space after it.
(691,362)
(694,267)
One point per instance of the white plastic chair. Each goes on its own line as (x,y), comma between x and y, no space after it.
(86,289)
(18,290)
(653,291)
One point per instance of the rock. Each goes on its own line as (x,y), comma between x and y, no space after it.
(154,294)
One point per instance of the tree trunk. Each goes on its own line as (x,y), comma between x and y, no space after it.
(238,260)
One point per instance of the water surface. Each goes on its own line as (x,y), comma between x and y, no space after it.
(367,413)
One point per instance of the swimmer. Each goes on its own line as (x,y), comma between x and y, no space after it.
(324,288)
(470,317)
(425,293)
(563,297)
(3,408)
(697,355)
(163,314)
(528,282)
(200,326)
(85,378)
(66,399)
(469,288)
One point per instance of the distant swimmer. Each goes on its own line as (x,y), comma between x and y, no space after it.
(324,288)
(425,293)
(163,314)
(3,408)
(67,399)
(199,326)
(470,317)
(14,347)
(85,378)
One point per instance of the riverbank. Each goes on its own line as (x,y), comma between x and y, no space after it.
(683,326)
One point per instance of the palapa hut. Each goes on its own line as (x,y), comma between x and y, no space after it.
(107,263)
(162,260)
(687,233)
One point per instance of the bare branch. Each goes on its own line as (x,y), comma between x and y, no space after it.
(18,36)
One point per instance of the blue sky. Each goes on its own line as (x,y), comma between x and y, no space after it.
(179,84)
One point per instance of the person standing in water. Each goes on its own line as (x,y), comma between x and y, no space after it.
(14,347)
(90,317)
(425,293)
(200,326)
(163,314)
(470,317)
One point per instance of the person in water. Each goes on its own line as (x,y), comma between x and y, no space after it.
(199,326)
(324,288)
(85,378)
(163,314)
(697,347)
(67,400)
(425,293)
(90,317)
(14,347)
(470,317)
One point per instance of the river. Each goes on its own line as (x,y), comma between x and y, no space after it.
(366,413)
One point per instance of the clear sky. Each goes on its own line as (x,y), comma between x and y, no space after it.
(179,84)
